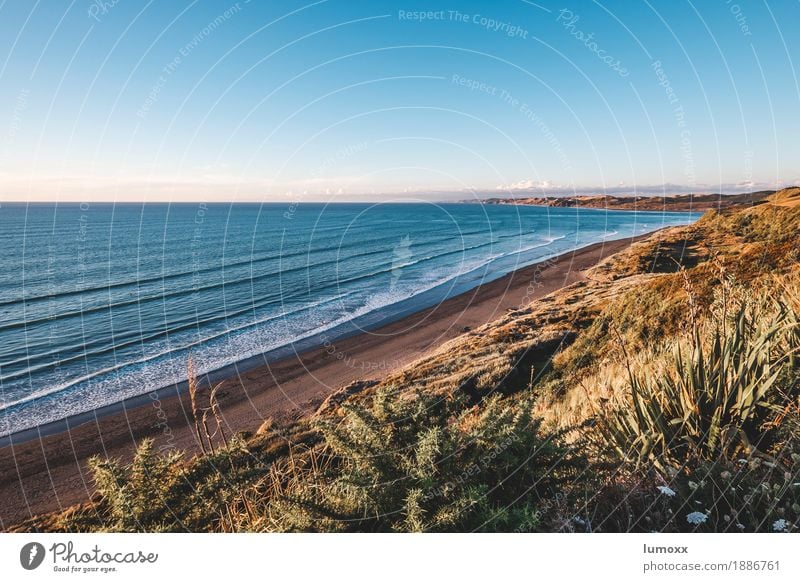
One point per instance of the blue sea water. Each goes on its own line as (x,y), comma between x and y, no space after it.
(102,302)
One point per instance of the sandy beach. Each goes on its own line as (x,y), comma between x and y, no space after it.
(48,472)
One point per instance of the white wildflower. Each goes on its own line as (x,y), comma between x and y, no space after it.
(696,518)
(780,525)
(666,491)
(740,525)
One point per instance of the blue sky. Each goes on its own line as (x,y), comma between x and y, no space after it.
(340,100)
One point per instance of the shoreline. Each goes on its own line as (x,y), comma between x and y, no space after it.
(342,331)
(43,469)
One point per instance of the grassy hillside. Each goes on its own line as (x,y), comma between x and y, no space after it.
(659,394)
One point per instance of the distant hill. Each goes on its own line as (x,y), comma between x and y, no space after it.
(678,202)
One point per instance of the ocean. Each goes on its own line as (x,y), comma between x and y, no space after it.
(101,302)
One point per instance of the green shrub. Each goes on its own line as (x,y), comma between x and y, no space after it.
(137,496)
(716,396)
(421,463)
(161,492)
(709,438)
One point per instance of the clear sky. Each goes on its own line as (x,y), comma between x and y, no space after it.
(346,100)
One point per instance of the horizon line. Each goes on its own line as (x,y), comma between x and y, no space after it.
(512,196)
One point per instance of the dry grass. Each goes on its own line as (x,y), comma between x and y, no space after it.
(200,414)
